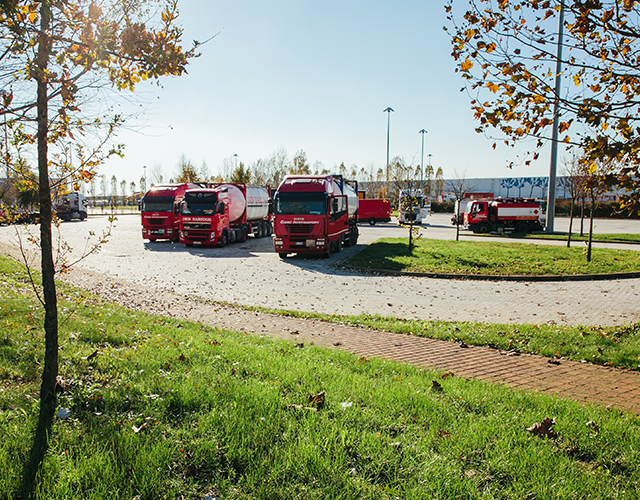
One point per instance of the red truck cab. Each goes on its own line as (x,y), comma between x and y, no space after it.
(315,214)
(161,211)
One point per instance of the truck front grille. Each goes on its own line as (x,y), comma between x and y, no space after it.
(156,221)
(196,236)
(299,228)
(196,225)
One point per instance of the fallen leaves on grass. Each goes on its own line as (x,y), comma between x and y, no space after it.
(544,428)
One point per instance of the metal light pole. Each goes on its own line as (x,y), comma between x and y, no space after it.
(236,158)
(423,131)
(551,195)
(388,111)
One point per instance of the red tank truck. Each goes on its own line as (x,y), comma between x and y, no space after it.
(315,214)
(224,213)
(520,215)
(161,211)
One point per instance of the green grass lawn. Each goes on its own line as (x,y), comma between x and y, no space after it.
(575,237)
(161,408)
(492,258)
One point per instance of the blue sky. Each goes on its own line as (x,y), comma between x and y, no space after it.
(316,76)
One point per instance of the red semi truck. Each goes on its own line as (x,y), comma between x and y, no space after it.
(161,211)
(315,214)
(223,213)
(374,210)
(519,215)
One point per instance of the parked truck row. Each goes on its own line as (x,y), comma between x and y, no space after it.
(307,214)
(206,213)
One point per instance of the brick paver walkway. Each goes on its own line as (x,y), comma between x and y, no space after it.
(583,382)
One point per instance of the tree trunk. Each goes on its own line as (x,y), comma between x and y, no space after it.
(570,223)
(50,372)
(410,236)
(590,232)
(582,217)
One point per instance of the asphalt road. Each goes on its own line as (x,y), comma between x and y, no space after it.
(251,273)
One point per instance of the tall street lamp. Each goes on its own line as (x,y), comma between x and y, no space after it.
(423,131)
(551,195)
(235,155)
(388,111)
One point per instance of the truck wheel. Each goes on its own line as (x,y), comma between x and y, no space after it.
(372,221)
(259,231)
(523,227)
(282,255)
(483,228)
(339,245)
(329,251)
(270,226)
(244,234)
(224,239)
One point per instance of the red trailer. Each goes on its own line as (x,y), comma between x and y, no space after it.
(374,210)
(315,214)
(161,211)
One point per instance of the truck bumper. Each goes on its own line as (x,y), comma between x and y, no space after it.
(310,244)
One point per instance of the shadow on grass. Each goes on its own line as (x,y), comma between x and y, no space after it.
(381,254)
(38,450)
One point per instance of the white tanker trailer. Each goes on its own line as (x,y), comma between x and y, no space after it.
(225,212)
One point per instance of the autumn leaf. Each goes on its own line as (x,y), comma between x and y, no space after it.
(466,65)
(544,428)
(317,400)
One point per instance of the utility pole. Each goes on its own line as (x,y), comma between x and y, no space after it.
(388,111)
(551,194)
(423,131)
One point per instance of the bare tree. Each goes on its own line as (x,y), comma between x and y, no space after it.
(156,176)
(459,186)
(574,180)
(123,192)
(186,171)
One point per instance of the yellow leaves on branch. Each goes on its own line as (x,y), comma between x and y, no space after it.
(563,126)
(493,87)
(466,65)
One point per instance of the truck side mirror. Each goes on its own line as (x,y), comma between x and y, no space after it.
(221,207)
(334,205)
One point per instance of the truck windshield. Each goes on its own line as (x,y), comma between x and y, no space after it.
(301,204)
(157,204)
(199,204)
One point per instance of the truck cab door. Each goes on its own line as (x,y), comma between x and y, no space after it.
(338,215)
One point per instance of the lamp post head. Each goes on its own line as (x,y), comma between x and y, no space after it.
(423,131)
(388,110)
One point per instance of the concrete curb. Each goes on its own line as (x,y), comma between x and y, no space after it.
(490,277)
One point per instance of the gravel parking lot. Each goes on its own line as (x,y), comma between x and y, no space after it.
(251,273)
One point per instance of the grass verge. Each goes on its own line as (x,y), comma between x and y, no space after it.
(501,259)
(603,238)
(161,408)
